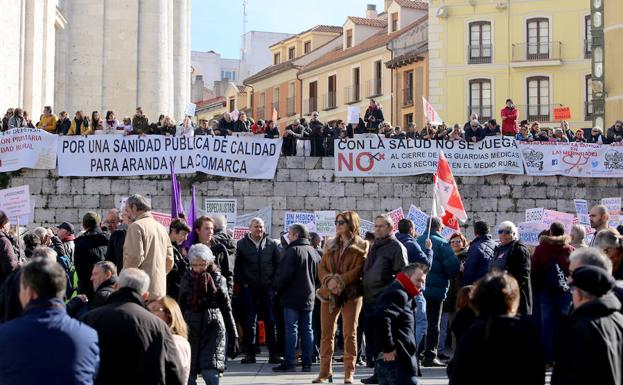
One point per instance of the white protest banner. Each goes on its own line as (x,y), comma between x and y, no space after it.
(534,215)
(353,114)
(15,202)
(447,232)
(529,232)
(266,214)
(325,223)
(162,218)
(573,159)
(614,209)
(124,199)
(307,219)
(396,215)
(551,216)
(27,148)
(419,219)
(190,109)
(364,227)
(581,210)
(226,207)
(378,156)
(110,155)
(240,232)
(432,116)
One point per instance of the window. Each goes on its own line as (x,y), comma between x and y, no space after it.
(232,104)
(588,33)
(331,94)
(276,58)
(375,83)
(354,92)
(349,38)
(480,42)
(313,97)
(538,98)
(275,100)
(291,96)
(261,105)
(538,39)
(307,47)
(480,98)
(407,96)
(408,119)
(291,53)
(588,98)
(394,22)
(229,75)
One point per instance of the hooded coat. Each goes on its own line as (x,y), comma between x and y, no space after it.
(551,249)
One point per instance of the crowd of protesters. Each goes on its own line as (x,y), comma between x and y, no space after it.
(125,301)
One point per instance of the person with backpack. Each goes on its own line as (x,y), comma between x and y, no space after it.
(550,267)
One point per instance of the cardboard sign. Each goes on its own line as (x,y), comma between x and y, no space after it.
(419,219)
(534,215)
(240,232)
(15,202)
(353,114)
(396,215)
(364,227)
(551,216)
(226,207)
(562,113)
(307,219)
(614,209)
(529,232)
(581,210)
(325,223)
(190,109)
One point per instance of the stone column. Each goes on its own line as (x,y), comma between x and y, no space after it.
(181,56)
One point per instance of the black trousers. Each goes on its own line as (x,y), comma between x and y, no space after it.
(433,315)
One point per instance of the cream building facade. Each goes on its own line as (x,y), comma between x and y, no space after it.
(535,52)
(613,56)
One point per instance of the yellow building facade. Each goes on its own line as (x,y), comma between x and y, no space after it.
(613,56)
(537,53)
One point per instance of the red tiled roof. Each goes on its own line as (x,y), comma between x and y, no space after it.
(269,71)
(378,23)
(209,102)
(317,28)
(379,39)
(413,4)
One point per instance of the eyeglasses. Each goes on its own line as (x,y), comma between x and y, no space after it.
(456,242)
(315,116)
(507,232)
(340,223)
(199,264)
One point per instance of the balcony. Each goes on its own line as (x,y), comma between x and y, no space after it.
(352,94)
(260,113)
(588,111)
(330,101)
(374,87)
(310,105)
(588,49)
(407,97)
(480,54)
(291,107)
(540,54)
(485,113)
(537,112)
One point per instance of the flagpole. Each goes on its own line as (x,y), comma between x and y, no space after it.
(430,217)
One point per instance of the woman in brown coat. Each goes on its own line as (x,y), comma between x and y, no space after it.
(340,272)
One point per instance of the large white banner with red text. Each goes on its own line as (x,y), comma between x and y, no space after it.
(573,159)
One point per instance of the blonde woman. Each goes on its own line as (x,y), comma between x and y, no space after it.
(169,311)
(340,272)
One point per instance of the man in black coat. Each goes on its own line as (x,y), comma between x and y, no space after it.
(591,342)
(295,280)
(91,248)
(257,258)
(395,327)
(136,347)
(104,277)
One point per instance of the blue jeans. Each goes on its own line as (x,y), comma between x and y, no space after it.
(297,323)
(421,323)
(553,306)
(210,376)
(392,373)
(443,331)
(254,301)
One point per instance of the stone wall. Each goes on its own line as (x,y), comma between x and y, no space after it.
(307,184)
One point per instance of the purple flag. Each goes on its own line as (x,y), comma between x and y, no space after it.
(177,207)
(190,219)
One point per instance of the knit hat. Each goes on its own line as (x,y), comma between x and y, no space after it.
(593,280)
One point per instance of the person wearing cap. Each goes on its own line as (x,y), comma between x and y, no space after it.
(591,344)
(66,234)
(90,248)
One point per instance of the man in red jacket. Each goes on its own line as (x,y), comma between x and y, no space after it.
(509,119)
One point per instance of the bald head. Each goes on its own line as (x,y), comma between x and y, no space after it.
(599,217)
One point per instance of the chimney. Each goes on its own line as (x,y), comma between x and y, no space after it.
(387,4)
(371,11)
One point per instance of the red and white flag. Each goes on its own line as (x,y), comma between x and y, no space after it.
(447,202)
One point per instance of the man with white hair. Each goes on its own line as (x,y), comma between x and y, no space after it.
(136,347)
(222,236)
(512,256)
(147,245)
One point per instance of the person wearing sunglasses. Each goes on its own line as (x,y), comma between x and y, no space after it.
(339,273)
(512,255)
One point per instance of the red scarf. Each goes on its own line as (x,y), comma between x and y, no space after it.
(405,281)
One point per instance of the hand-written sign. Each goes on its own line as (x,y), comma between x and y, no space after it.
(562,113)
(307,219)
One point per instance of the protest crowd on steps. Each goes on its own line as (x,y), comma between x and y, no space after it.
(125,300)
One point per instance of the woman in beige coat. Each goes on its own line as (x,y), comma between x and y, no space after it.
(340,272)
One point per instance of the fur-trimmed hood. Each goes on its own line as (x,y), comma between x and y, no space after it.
(559,240)
(357,245)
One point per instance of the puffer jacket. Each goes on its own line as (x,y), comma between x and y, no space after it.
(591,345)
(479,256)
(386,258)
(208,321)
(551,249)
(445,267)
(253,267)
(90,248)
